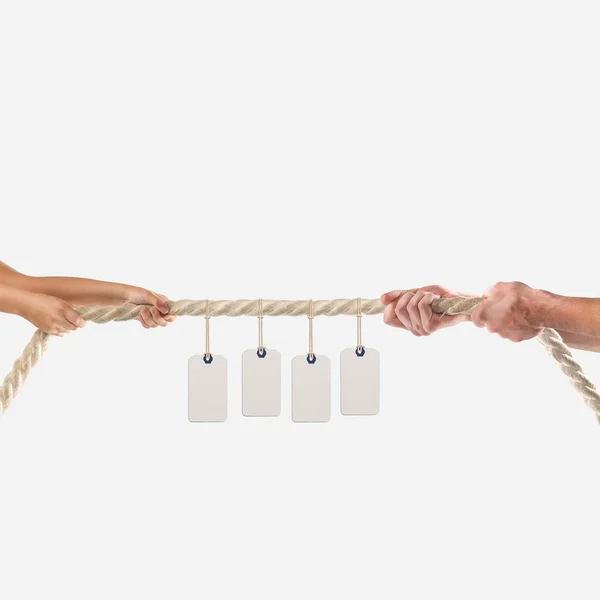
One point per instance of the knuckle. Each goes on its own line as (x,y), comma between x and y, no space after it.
(400,312)
(404,300)
(414,303)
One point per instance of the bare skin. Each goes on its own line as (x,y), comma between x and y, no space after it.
(513,310)
(48,302)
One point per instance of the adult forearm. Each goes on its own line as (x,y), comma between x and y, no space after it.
(577,316)
(577,320)
(580,342)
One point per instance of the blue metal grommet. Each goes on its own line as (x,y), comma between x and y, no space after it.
(360,351)
(208,359)
(261,352)
(311,361)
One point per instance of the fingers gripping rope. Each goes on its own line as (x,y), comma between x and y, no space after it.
(233,308)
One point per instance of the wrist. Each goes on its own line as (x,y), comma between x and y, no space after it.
(125,293)
(537,305)
(17,302)
(136,295)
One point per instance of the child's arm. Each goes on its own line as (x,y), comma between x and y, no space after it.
(50,314)
(79,291)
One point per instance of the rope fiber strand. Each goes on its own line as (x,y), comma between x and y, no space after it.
(35,349)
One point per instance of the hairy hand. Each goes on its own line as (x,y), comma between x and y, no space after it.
(507,311)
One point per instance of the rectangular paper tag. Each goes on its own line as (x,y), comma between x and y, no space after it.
(261,384)
(359,382)
(311,389)
(207,389)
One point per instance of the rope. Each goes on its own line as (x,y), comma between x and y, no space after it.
(35,349)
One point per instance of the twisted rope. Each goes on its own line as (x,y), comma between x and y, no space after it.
(35,349)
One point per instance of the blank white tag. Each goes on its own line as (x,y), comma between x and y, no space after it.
(261,384)
(359,382)
(311,389)
(207,389)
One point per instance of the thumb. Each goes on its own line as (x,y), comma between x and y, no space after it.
(389,297)
(156,300)
(74,317)
(450,320)
(161,302)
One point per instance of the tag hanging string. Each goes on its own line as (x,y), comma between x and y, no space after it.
(311,354)
(359,344)
(207,329)
(261,345)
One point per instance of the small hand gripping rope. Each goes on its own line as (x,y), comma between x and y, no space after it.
(35,349)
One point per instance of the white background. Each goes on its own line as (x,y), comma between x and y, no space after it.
(296,150)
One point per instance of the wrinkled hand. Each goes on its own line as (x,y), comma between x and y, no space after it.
(507,311)
(155,315)
(51,314)
(411,310)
